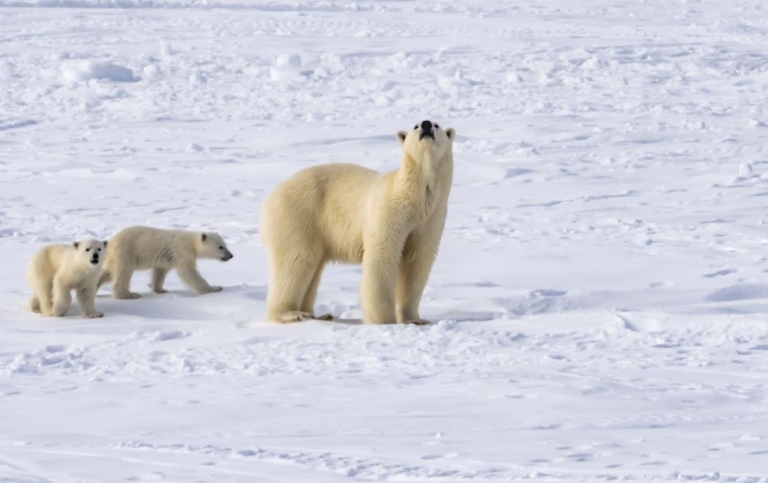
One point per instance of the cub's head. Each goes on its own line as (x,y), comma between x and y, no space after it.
(90,251)
(213,246)
(426,139)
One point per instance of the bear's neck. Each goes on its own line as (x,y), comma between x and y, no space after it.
(417,174)
(425,178)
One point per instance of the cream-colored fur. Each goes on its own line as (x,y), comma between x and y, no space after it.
(391,223)
(56,270)
(145,248)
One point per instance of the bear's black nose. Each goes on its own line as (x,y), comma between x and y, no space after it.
(426,130)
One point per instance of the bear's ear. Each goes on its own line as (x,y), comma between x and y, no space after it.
(451,133)
(76,245)
(401,135)
(203,237)
(105,243)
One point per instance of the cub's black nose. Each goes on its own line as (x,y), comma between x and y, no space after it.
(426,126)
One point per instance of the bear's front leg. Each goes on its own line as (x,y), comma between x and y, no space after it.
(86,298)
(377,290)
(418,257)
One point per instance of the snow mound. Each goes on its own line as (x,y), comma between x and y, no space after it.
(83,71)
(287,66)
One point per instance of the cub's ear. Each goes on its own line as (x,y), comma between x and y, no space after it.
(203,237)
(76,245)
(451,133)
(401,135)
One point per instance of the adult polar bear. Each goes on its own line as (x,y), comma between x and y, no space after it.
(390,222)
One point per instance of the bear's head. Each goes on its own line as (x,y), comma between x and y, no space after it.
(426,140)
(213,246)
(90,252)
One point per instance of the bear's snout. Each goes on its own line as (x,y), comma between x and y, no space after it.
(94,258)
(426,130)
(227,256)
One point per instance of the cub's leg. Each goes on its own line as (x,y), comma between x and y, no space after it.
(86,297)
(190,276)
(62,298)
(44,296)
(38,293)
(34,304)
(158,279)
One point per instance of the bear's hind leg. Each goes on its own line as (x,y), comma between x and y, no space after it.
(308,304)
(158,279)
(289,284)
(121,284)
(42,300)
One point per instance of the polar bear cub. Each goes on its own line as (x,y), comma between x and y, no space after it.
(56,270)
(391,223)
(159,250)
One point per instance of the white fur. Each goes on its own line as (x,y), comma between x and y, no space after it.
(145,248)
(391,223)
(56,270)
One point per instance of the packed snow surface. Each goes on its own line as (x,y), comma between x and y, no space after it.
(600,300)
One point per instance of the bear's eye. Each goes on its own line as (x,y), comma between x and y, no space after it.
(437,126)
(87,249)
(98,249)
(221,247)
(416,126)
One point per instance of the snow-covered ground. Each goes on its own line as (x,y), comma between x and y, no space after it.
(600,302)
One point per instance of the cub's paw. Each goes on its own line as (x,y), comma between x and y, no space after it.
(212,289)
(95,315)
(126,296)
(323,317)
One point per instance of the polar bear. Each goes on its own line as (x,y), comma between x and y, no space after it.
(56,270)
(391,223)
(145,248)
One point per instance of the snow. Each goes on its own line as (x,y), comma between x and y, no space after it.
(82,71)
(600,297)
